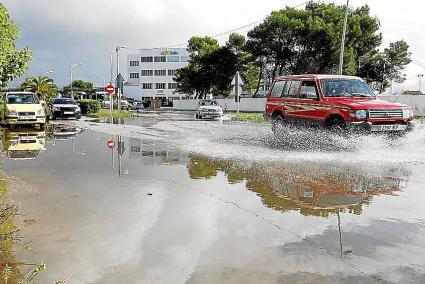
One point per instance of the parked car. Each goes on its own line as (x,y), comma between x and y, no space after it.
(137,106)
(23,108)
(208,109)
(65,108)
(125,105)
(337,102)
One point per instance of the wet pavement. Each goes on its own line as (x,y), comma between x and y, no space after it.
(220,202)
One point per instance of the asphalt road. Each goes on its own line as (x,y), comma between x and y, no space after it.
(184,201)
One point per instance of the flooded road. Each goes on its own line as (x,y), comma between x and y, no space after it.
(220,202)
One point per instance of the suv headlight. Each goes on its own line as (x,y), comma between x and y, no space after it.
(12,112)
(77,109)
(361,114)
(56,108)
(40,112)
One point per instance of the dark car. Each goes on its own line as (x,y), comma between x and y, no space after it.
(65,108)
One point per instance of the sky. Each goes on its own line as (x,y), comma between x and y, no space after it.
(63,32)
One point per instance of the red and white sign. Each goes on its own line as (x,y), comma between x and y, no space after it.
(110,144)
(110,89)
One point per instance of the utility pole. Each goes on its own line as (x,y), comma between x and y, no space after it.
(344,30)
(118,72)
(72,67)
(104,84)
(420,82)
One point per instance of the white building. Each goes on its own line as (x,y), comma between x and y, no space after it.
(151,73)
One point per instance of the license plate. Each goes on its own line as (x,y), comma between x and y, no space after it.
(28,138)
(394,127)
(26,117)
(68,112)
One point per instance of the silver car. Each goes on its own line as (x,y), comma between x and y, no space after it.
(208,109)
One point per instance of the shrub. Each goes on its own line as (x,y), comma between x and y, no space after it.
(89,106)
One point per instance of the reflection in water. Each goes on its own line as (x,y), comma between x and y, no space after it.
(24,143)
(311,189)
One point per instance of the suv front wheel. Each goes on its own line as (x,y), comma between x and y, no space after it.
(277,123)
(337,125)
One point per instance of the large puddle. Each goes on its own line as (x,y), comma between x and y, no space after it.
(220,202)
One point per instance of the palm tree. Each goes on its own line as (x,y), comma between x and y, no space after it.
(41,85)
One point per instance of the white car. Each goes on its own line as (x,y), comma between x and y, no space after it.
(208,109)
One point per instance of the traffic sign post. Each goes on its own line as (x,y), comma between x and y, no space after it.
(110,90)
(237,82)
(110,144)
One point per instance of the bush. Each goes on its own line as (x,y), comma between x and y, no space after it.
(89,106)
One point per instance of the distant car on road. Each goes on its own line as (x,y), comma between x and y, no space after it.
(208,109)
(65,108)
(23,108)
(336,102)
(137,106)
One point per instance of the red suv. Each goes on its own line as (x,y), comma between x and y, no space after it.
(337,102)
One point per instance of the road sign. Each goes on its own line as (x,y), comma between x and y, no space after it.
(120,81)
(121,148)
(110,144)
(110,89)
(237,82)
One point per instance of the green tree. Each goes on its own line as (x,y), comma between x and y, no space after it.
(251,75)
(13,63)
(80,84)
(292,41)
(382,68)
(43,86)
(210,70)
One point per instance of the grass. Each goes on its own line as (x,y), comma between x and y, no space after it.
(122,114)
(250,116)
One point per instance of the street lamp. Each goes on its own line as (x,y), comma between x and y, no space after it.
(104,83)
(47,72)
(420,82)
(344,30)
(72,67)
(117,49)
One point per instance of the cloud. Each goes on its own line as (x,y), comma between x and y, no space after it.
(60,32)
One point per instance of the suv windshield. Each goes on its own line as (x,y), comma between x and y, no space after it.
(345,88)
(22,99)
(64,102)
(209,103)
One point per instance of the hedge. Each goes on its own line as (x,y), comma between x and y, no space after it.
(89,106)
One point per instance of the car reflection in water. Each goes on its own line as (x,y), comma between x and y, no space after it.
(311,189)
(63,132)
(23,143)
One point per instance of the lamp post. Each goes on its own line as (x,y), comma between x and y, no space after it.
(104,83)
(344,30)
(72,67)
(47,72)
(420,82)
(117,49)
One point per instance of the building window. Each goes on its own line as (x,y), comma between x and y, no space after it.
(172,72)
(185,58)
(172,85)
(134,63)
(146,59)
(147,86)
(160,59)
(160,86)
(173,58)
(160,72)
(134,75)
(146,72)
